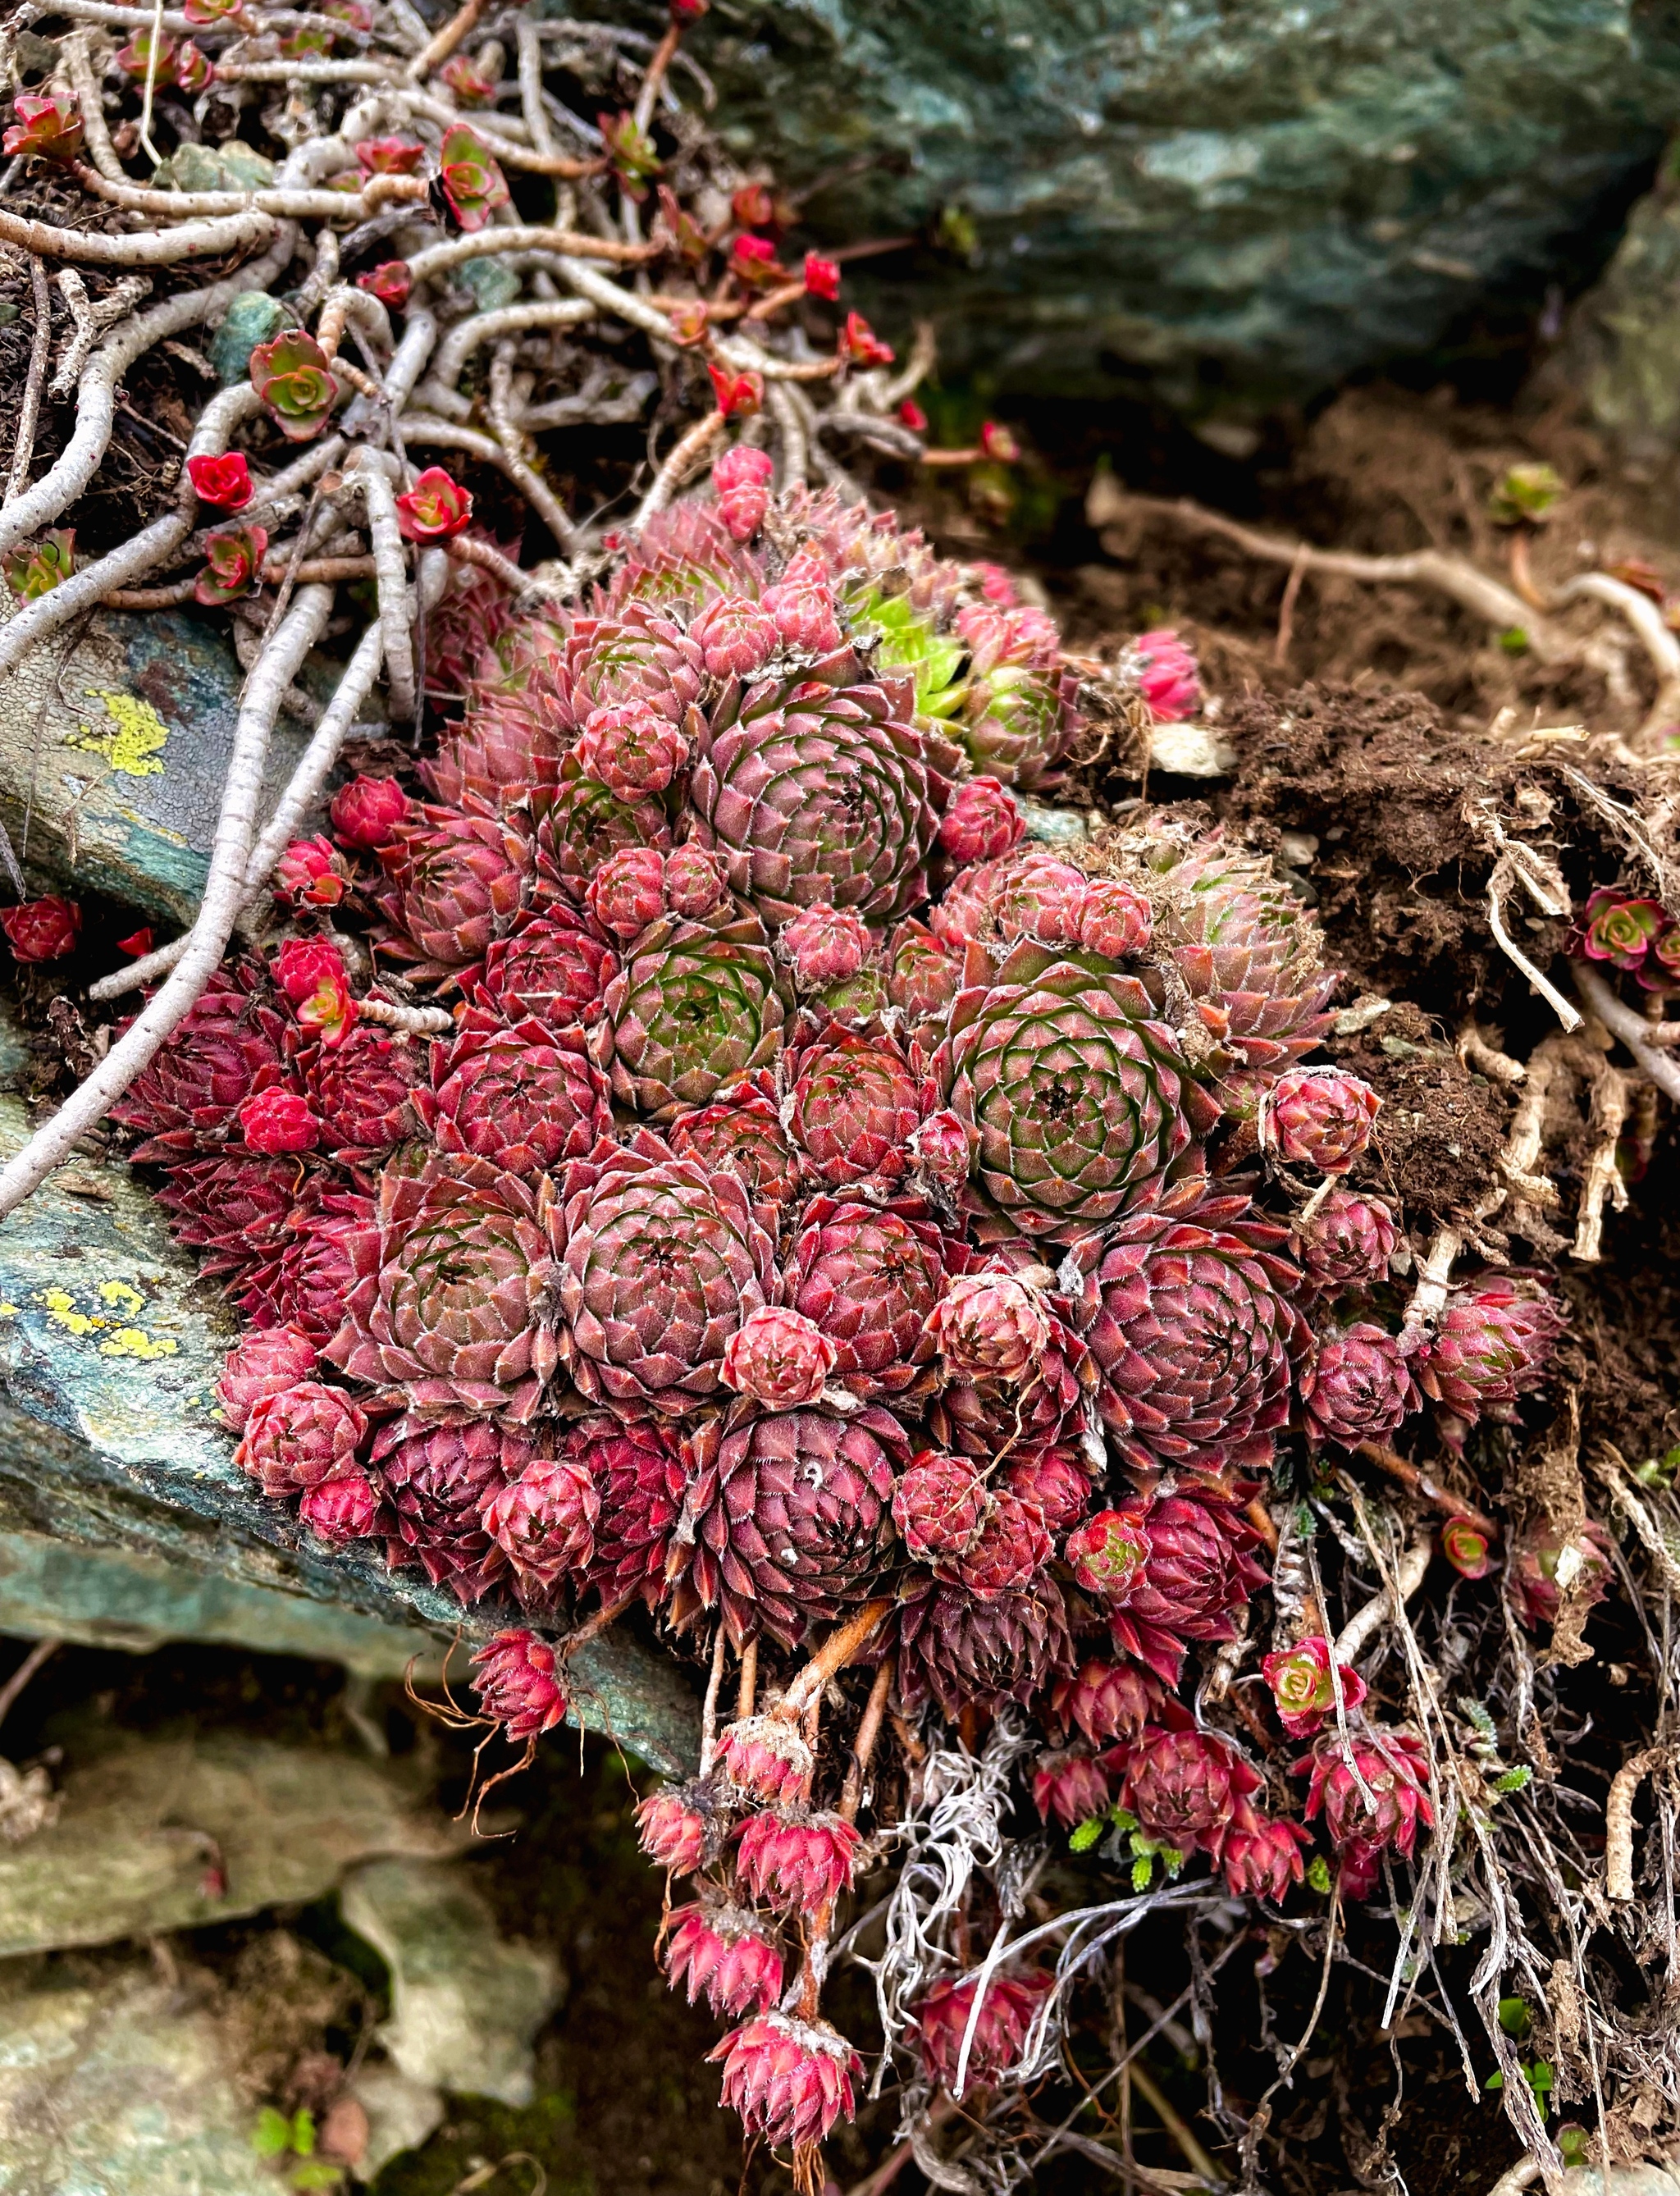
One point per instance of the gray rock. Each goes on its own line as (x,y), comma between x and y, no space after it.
(1622,350)
(126,1598)
(110,2086)
(465,2006)
(401,2115)
(1248,201)
(178,1833)
(110,1347)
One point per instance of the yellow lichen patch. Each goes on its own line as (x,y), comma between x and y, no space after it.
(135,1341)
(59,1307)
(121,1296)
(137,738)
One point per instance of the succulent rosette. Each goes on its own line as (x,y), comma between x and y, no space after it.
(722,1949)
(815,792)
(1199,1570)
(742,1132)
(1619,930)
(551,967)
(454,1295)
(694,1008)
(1356,1385)
(786,1520)
(868,1277)
(940,1506)
(441,1477)
(526,1098)
(1492,1344)
(1246,946)
(790,2080)
(1184,1785)
(997,2034)
(227,1048)
(639,1470)
(1304,1686)
(1080,1099)
(955,1648)
(1373,1795)
(364,1092)
(1347,1242)
(1191,1325)
(661,1263)
(582,823)
(808,1229)
(456,881)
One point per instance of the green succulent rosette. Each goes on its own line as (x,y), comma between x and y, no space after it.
(1083,1104)
(695,1006)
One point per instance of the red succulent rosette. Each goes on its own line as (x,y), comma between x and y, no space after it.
(787,1519)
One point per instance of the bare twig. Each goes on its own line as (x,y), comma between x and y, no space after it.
(1356,1635)
(38,1654)
(1624,1023)
(40,350)
(447,435)
(61,605)
(96,403)
(410,1021)
(397,609)
(684,459)
(1618,1821)
(439,48)
(1489,599)
(1612,1099)
(158,247)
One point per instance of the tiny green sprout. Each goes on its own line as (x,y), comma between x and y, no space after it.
(1515,1780)
(1573,2141)
(1143,1868)
(1514,2017)
(303,2132)
(1121,1820)
(1539,2077)
(1658,1471)
(1476,1714)
(1514,640)
(1317,1875)
(1496,2080)
(1083,1835)
(1525,495)
(320,2174)
(272,2135)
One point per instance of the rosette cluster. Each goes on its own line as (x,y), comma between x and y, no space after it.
(821,1196)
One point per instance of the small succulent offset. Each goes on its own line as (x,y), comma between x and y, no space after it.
(473,183)
(46,129)
(233,565)
(294,377)
(818,1213)
(41,565)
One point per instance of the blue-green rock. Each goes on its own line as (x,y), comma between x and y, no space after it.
(253,318)
(1213,199)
